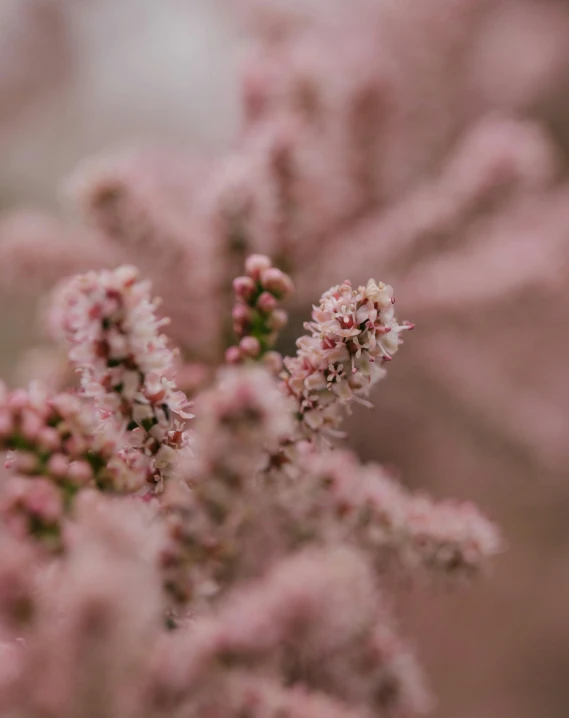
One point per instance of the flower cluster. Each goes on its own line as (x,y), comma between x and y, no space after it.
(257,316)
(240,422)
(124,361)
(397,135)
(320,608)
(240,515)
(387,521)
(59,437)
(57,447)
(240,588)
(353,333)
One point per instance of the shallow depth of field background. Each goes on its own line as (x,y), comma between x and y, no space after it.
(476,406)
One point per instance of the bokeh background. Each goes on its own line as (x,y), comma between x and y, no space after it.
(470,224)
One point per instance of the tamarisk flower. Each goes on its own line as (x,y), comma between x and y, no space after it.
(353,333)
(239,422)
(33,508)
(314,622)
(239,518)
(124,360)
(239,419)
(58,436)
(94,622)
(257,316)
(57,447)
(341,500)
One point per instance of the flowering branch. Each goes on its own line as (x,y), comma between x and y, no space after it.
(257,316)
(124,360)
(353,333)
(57,448)
(58,437)
(271,581)
(376,513)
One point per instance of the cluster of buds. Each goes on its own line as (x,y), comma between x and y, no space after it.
(125,362)
(33,508)
(353,333)
(257,316)
(58,437)
(271,582)
(57,448)
(363,505)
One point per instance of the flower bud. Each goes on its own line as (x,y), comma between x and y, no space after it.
(257,263)
(266,303)
(277,282)
(49,438)
(250,347)
(241,314)
(58,465)
(80,472)
(243,287)
(233,355)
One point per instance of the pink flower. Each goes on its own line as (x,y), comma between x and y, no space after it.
(123,358)
(354,331)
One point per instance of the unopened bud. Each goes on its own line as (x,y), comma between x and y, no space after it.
(244,287)
(266,303)
(257,263)
(277,282)
(250,347)
(233,355)
(58,465)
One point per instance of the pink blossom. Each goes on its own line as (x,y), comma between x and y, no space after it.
(124,361)
(33,507)
(377,513)
(265,553)
(353,333)
(257,316)
(59,436)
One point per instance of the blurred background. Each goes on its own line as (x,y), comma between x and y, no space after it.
(425,143)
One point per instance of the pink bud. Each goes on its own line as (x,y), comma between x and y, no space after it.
(80,472)
(250,347)
(75,445)
(49,438)
(266,303)
(257,263)
(58,465)
(243,287)
(23,462)
(31,424)
(277,282)
(233,355)
(241,313)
